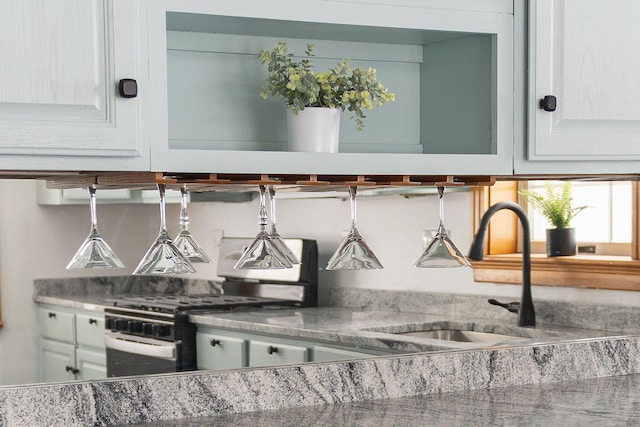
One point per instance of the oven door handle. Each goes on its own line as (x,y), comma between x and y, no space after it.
(142,346)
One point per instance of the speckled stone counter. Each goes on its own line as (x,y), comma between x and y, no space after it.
(571,314)
(91,293)
(383,329)
(208,394)
(418,378)
(612,401)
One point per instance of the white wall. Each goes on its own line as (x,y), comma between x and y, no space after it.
(38,241)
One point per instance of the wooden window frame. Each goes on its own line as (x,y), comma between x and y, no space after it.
(502,261)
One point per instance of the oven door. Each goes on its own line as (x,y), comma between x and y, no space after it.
(132,355)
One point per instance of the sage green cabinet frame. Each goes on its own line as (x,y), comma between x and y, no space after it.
(454,107)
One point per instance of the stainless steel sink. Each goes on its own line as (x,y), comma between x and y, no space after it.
(460,336)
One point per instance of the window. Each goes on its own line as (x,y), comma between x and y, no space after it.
(611,227)
(604,228)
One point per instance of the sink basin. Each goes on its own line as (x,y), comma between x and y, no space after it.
(460,336)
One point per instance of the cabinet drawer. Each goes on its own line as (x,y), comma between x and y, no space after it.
(220,352)
(262,353)
(90,330)
(56,324)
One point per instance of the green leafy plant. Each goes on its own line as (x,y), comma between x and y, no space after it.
(555,204)
(348,88)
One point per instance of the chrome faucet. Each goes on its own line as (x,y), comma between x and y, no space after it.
(525,310)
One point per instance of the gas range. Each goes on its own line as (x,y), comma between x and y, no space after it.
(148,334)
(159,316)
(172,304)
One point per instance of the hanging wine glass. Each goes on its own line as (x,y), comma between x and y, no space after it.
(163,257)
(184,240)
(94,251)
(441,251)
(273,233)
(262,253)
(353,253)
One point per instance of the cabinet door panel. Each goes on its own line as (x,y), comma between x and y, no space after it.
(90,330)
(55,359)
(56,324)
(263,353)
(220,352)
(47,74)
(61,61)
(92,365)
(584,52)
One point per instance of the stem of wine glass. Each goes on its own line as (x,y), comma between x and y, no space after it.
(262,213)
(272,201)
(441,228)
(163,215)
(184,215)
(352,198)
(92,208)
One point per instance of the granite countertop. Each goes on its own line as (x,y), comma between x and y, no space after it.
(607,401)
(503,384)
(375,329)
(383,329)
(79,302)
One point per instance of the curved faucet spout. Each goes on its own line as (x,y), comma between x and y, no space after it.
(526,312)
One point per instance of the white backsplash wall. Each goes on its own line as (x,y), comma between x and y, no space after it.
(38,241)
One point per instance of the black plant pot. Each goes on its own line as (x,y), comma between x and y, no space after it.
(561,242)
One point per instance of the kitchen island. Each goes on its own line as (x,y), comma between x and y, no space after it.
(352,387)
(612,401)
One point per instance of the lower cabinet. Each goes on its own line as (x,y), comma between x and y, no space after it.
(230,349)
(215,351)
(71,344)
(57,361)
(267,353)
(91,364)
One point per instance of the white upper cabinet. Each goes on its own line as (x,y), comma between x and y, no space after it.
(584,53)
(449,63)
(60,105)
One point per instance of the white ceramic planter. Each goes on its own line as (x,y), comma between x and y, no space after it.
(314,129)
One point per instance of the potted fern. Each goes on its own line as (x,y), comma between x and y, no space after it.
(556,205)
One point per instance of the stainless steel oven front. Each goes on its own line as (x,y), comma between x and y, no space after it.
(128,355)
(139,342)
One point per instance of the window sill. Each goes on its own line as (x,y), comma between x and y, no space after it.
(585,271)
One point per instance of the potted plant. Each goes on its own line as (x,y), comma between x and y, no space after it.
(309,95)
(555,204)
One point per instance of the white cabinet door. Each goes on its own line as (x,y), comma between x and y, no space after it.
(57,361)
(262,353)
(91,364)
(60,106)
(585,54)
